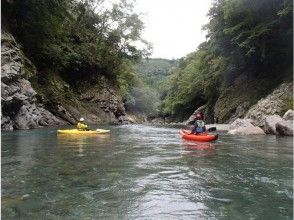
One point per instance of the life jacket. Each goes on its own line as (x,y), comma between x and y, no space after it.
(200,126)
(81,126)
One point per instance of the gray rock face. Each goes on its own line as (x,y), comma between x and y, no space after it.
(270,105)
(244,127)
(247,131)
(6,123)
(241,123)
(285,128)
(20,109)
(109,102)
(289,115)
(270,124)
(124,119)
(240,111)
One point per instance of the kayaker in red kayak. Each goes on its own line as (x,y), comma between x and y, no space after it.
(199,126)
(82,126)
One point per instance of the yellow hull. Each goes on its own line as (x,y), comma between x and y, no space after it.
(76,131)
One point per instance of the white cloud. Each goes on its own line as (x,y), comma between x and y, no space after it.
(174,26)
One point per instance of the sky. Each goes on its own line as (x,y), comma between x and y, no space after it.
(173,26)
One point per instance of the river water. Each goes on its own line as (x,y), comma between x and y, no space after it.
(145,172)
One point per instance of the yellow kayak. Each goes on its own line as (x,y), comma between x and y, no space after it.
(76,131)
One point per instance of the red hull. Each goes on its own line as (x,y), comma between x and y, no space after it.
(203,137)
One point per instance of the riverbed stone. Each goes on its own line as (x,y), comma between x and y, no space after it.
(285,128)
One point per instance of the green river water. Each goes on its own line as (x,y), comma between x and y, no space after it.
(145,172)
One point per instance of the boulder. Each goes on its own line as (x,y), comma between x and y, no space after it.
(285,128)
(125,119)
(241,123)
(247,131)
(270,124)
(244,127)
(289,115)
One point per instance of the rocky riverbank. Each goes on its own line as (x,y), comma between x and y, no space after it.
(50,101)
(20,108)
(270,115)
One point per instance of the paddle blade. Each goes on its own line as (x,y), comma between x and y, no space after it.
(211,129)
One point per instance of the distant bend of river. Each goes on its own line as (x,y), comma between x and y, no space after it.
(145,172)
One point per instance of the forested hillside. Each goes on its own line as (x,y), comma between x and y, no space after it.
(75,51)
(154,71)
(248,53)
(83,58)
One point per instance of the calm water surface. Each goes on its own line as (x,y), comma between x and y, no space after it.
(145,172)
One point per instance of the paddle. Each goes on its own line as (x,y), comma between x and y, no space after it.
(211,129)
(102,131)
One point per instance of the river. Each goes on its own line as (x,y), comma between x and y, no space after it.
(145,172)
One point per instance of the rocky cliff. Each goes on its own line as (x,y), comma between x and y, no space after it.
(265,116)
(273,104)
(51,101)
(20,108)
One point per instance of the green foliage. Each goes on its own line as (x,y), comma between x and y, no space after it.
(287,104)
(193,83)
(154,71)
(248,42)
(137,95)
(77,38)
(82,40)
(29,67)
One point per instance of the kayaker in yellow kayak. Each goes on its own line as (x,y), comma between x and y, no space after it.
(81,126)
(199,126)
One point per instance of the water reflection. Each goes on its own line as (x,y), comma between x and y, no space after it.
(80,142)
(18,149)
(199,149)
(145,172)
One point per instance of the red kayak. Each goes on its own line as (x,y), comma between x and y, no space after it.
(203,137)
